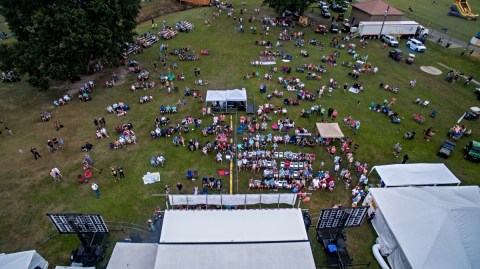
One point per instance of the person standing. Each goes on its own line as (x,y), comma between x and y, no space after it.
(120,172)
(51,145)
(114,173)
(405,158)
(35,153)
(96,190)
(180,187)
(56,174)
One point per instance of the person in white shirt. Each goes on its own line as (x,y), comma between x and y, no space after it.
(96,190)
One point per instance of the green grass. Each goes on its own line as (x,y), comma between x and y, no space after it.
(28,193)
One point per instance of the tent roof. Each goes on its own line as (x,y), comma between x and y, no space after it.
(377,7)
(214,96)
(436,227)
(22,260)
(237,95)
(133,255)
(219,256)
(216,226)
(415,174)
(329,130)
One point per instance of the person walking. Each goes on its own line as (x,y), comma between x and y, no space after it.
(96,190)
(35,153)
(120,172)
(51,145)
(405,158)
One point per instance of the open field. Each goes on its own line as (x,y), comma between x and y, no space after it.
(28,192)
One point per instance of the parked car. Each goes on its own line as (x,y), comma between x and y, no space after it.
(322,4)
(334,28)
(390,40)
(338,8)
(472,151)
(446,149)
(325,12)
(396,54)
(416,45)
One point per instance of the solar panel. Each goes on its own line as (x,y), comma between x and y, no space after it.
(83,223)
(338,217)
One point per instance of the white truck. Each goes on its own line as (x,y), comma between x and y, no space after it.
(394,28)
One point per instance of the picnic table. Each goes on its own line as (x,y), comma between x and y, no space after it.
(167,33)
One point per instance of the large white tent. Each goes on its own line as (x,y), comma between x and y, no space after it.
(428,227)
(216,96)
(329,130)
(22,260)
(133,255)
(211,239)
(416,174)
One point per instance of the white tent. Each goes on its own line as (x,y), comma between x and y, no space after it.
(216,96)
(329,130)
(133,255)
(237,95)
(22,260)
(416,174)
(73,267)
(428,227)
(217,239)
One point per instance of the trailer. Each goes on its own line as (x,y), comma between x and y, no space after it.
(394,28)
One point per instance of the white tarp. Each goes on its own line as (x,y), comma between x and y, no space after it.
(329,130)
(395,175)
(429,227)
(22,260)
(220,256)
(151,178)
(133,255)
(215,226)
(216,96)
(237,95)
(233,199)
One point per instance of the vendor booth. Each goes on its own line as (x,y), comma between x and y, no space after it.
(426,227)
(329,130)
(415,174)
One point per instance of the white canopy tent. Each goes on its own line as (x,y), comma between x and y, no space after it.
(416,174)
(329,130)
(237,95)
(216,96)
(428,227)
(133,255)
(224,97)
(22,260)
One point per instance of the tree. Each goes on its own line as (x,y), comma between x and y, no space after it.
(61,39)
(281,6)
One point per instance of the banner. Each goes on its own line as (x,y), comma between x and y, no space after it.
(234,199)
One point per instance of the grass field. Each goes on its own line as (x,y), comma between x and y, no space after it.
(28,193)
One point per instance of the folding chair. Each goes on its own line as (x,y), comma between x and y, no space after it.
(195,174)
(189,174)
(280,155)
